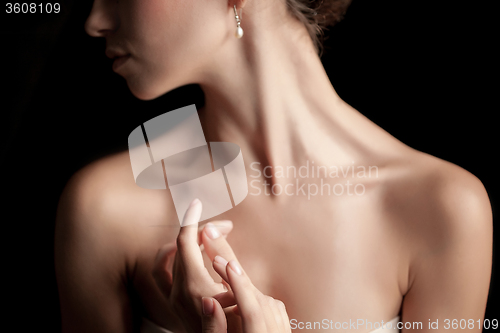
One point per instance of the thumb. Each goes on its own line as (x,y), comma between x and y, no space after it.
(214,318)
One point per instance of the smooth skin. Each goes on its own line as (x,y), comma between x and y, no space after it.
(417,242)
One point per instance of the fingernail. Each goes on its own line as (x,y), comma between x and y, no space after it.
(212,231)
(235,267)
(207,305)
(195,202)
(218,259)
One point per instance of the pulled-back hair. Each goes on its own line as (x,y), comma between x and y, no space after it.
(317,15)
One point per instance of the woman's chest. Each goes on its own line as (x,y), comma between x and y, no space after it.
(321,269)
(323,264)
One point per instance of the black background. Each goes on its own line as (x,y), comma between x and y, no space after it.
(424,71)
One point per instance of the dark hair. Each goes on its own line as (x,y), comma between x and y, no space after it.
(317,15)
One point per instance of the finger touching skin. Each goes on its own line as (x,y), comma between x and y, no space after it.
(246,295)
(187,244)
(226,298)
(259,313)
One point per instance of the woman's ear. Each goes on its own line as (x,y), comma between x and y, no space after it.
(238,3)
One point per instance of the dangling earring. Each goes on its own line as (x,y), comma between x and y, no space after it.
(239,31)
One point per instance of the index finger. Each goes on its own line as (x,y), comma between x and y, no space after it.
(246,295)
(187,244)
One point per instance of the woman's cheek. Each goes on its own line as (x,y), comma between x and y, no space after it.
(155,16)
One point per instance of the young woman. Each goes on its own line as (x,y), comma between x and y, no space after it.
(409,242)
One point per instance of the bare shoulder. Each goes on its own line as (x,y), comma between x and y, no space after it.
(84,202)
(102,232)
(90,200)
(92,255)
(90,224)
(103,214)
(442,217)
(434,198)
(102,198)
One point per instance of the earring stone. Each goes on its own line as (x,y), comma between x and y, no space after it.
(239,32)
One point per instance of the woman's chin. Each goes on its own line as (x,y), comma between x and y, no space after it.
(147,91)
(144,96)
(142,92)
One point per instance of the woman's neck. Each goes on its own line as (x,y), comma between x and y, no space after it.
(272,96)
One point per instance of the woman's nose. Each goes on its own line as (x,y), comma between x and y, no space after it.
(102,19)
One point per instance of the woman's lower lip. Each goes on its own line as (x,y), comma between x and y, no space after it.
(120,61)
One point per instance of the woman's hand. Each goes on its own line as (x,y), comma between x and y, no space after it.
(189,280)
(259,313)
